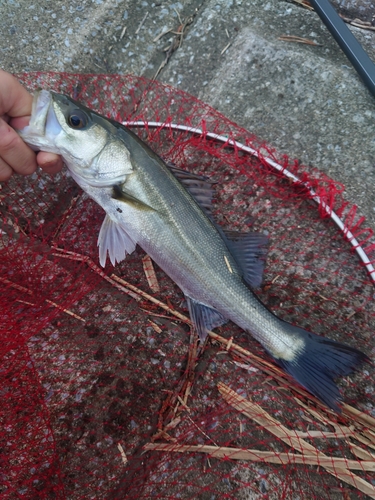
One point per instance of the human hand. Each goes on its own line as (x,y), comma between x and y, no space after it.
(15,111)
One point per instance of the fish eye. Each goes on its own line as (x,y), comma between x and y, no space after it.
(77,119)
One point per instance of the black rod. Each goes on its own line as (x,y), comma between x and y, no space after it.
(347,41)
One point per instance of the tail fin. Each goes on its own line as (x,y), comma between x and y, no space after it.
(319,363)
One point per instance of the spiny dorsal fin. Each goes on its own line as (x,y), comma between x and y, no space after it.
(199,186)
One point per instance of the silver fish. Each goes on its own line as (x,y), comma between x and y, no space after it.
(149,204)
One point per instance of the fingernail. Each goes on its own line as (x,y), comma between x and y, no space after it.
(48,164)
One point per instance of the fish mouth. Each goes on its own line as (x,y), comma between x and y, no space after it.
(41,104)
(40,107)
(44,126)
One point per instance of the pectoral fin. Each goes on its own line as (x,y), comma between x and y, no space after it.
(114,240)
(203,317)
(121,195)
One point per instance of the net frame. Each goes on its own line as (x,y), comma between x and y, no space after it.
(284,171)
(156,477)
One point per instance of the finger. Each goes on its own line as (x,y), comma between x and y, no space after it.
(14,152)
(49,162)
(15,100)
(5,171)
(19,123)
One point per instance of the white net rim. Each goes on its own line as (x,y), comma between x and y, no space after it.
(276,166)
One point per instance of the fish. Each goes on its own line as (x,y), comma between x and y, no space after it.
(166,211)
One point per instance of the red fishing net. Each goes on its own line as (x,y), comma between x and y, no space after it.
(102,396)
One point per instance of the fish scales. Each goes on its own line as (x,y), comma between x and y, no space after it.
(150,204)
(187,246)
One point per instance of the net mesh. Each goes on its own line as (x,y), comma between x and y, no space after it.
(102,395)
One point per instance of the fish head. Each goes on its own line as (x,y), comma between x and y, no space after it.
(90,145)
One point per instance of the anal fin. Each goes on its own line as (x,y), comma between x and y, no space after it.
(115,240)
(203,317)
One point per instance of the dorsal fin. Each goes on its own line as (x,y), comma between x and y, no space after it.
(249,251)
(199,186)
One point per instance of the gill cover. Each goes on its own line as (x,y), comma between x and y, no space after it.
(91,146)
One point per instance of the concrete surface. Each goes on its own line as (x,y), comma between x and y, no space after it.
(307,101)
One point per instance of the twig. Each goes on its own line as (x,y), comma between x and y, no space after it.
(123,33)
(66,254)
(360,452)
(321,434)
(172,403)
(163,434)
(229,344)
(141,23)
(329,299)
(341,430)
(362,25)
(156,315)
(201,431)
(178,15)
(150,273)
(225,48)
(65,310)
(123,455)
(298,39)
(160,35)
(304,3)
(358,23)
(351,315)
(315,413)
(16,286)
(365,419)
(271,457)
(176,42)
(29,292)
(156,327)
(182,403)
(140,293)
(370,435)
(259,415)
(25,302)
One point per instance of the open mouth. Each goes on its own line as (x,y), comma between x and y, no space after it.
(41,105)
(44,126)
